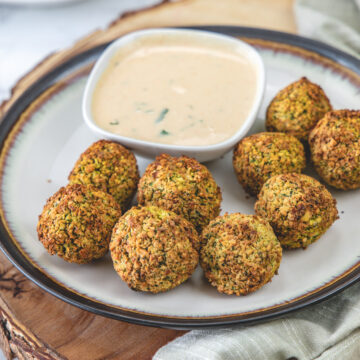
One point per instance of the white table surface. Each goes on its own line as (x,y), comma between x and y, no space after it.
(28,33)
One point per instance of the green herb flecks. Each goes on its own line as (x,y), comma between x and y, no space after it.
(143,107)
(114,122)
(192,124)
(188,126)
(140,106)
(164,133)
(162,115)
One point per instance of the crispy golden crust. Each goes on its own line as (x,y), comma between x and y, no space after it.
(297,108)
(240,253)
(335,148)
(76,223)
(152,249)
(111,168)
(298,207)
(260,156)
(181,185)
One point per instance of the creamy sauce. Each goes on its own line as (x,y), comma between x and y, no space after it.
(180,92)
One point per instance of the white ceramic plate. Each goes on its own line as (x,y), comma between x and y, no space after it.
(43,134)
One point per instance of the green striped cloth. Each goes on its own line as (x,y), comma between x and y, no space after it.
(329,330)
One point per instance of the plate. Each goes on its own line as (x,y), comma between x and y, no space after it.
(43,134)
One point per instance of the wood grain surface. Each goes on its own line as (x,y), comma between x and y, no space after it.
(35,324)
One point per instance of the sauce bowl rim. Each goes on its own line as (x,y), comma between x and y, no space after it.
(103,61)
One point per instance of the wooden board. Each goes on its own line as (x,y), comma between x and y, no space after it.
(36,325)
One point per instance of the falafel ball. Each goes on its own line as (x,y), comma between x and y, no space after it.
(298,207)
(240,253)
(110,167)
(297,108)
(153,249)
(335,148)
(76,223)
(260,156)
(181,185)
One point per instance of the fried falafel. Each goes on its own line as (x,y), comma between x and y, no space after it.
(240,253)
(181,185)
(153,249)
(76,223)
(297,108)
(298,207)
(335,148)
(110,167)
(258,157)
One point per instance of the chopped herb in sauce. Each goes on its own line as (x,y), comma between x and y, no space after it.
(188,126)
(191,125)
(162,115)
(139,106)
(143,107)
(147,95)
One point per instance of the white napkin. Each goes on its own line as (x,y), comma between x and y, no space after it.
(336,22)
(331,329)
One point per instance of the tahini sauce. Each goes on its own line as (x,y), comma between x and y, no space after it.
(179,92)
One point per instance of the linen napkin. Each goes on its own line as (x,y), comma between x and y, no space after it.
(328,330)
(336,22)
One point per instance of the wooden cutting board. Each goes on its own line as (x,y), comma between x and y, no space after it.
(35,324)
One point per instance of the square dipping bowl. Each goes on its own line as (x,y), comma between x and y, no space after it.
(202,153)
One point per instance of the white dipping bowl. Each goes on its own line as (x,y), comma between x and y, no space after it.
(151,149)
